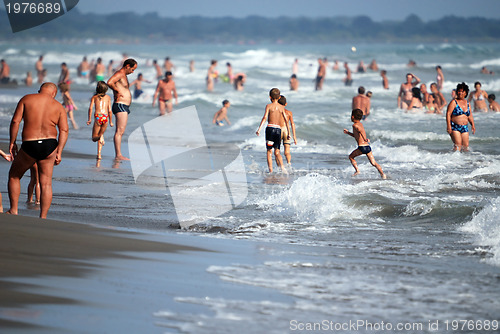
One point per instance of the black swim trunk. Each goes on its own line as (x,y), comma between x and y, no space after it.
(39,149)
(273,137)
(120,107)
(365,149)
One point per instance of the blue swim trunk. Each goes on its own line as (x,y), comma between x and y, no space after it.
(120,107)
(459,128)
(273,137)
(365,149)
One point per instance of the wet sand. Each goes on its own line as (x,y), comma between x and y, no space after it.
(32,249)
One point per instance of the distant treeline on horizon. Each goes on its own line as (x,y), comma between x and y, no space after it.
(129,26)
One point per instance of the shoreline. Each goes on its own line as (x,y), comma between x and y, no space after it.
(34,250)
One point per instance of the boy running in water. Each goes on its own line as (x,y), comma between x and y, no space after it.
(358,132)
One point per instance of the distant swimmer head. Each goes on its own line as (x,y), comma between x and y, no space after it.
(491,97)
(361,90)
(225,102)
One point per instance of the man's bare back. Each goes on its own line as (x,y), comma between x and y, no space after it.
(361,102)
(41,114)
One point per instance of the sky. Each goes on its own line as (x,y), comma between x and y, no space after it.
(377,10)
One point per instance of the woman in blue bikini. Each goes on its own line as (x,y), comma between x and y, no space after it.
(458,116)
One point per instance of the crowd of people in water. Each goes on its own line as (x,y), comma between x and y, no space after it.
(40,153)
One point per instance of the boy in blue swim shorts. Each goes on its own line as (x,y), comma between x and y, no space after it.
(358,132)
(274,115)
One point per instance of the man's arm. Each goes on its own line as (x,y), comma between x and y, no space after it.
(110,111)
(113,84)
(14,127)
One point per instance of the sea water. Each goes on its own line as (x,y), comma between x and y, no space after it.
(421,247)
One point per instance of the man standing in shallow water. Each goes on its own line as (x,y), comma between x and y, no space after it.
(42,115)
(122,99)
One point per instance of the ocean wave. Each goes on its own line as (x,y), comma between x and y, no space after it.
(409,135)
(317,198)
(485,227)
(486,62)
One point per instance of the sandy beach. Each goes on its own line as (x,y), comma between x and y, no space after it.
(36,249)
(70,277)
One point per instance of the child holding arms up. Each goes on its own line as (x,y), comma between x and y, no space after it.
(221,115)
(358,132)
(274,114)
(68,103)
(102,115)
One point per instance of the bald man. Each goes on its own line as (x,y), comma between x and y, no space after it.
(42,116)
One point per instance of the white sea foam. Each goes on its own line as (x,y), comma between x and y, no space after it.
(250,121)
(317,198)
(486,62)
(409,135)
(485,226)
